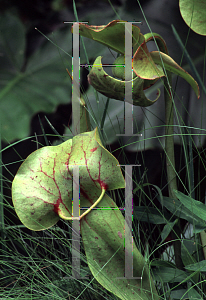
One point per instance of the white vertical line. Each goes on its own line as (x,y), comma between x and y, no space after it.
(128,222)
(75,81)
(75,225)
(128,80)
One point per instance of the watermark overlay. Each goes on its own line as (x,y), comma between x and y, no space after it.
(128,168)
(76,225)
(75,81)
(128,103)
(128,224)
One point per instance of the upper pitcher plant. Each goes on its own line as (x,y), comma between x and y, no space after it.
(147,66)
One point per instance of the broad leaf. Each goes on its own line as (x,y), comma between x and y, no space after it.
(187,253)
(103,238)
(195,207)
(40,85)
(42,187)
(42,193)
(194,14)
(167,229)
(199,266)
(150,215)
(36,83)
(181,211)
(190,293)
(166,274)
(12,45)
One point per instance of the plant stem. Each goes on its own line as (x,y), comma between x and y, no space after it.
(170,164)
(169,140)
(169,144)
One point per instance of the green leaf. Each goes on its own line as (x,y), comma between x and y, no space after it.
(179,210)
(114,88)
(103,238)
(150,215)
(42,187)
(194,14)
(172,66)
(189,293)
(187,253)
(12,42)
(167,229)
(41,85)
(42,193)
(118,69)
(196,207)
(199,266)
(112,35)
(167,274)
(144,65)
(152,36)
(36,83)
(162,263)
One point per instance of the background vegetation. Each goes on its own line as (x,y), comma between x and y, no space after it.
(35,100)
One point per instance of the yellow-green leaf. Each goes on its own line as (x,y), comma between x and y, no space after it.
(112,35)
(194,14)
(172,66)
(42,187)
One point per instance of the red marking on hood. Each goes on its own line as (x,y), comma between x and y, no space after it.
(56,205)
(93,149)
(102,184)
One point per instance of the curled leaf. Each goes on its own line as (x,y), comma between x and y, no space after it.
(118,70)
(147,66)
(144,66)
(115,88)
(172,66)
